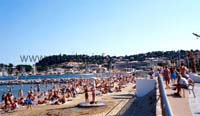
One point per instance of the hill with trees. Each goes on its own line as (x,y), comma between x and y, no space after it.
(55,60)
(100,59)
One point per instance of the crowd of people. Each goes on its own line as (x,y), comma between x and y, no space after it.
(177,78)
(61,93)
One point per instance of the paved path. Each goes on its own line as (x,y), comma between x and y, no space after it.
(195,102)
(180,105)
(185,106)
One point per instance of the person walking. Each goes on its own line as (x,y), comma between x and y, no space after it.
(166,75)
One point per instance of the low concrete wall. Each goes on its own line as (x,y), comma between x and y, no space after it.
(144,86)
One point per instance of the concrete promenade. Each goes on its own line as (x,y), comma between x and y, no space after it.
(185,106)
(195,102)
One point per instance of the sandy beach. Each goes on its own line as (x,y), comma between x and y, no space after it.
(115,101)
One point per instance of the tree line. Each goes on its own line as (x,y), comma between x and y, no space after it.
(100,59)
(107,60)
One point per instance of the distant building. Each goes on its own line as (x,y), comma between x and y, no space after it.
(95,68)
(72,64)
(3,72)
(14,71)
(156,61)
(56,71)
(23,71)
(148,63)
(124,65)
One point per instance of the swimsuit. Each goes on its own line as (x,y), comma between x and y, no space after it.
(173,75)
(28,102)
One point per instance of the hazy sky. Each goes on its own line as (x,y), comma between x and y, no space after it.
(115,27)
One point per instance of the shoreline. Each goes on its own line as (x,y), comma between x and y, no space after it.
(112,100)
(41,79)
(112,108)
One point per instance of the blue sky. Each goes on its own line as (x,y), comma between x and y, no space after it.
(114,27)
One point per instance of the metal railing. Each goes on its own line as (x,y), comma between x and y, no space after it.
(166,108)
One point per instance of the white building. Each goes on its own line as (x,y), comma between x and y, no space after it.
(4,72)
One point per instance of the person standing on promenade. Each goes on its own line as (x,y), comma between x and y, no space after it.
(183,71)
(173,74)
(166,75)
(151,73)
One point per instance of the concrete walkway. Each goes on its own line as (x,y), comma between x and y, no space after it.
(180,105)
(195,102)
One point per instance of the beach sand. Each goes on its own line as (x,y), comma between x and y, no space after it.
(114,101)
